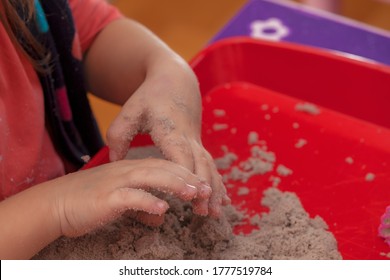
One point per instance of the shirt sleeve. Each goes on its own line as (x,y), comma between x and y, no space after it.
(90,17)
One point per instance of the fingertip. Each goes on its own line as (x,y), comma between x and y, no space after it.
(200,208)
(226,200)
(215,206)
(189,193)
(205,191)
(150,219)
(160,207)
(202,213)
(215,212)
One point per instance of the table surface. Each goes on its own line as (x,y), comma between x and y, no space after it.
(280,20)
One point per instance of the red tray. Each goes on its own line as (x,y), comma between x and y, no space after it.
(258,85)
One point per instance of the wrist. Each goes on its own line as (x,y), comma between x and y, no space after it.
(31,223)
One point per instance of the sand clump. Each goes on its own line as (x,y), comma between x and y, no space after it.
(284,232)
(308,108)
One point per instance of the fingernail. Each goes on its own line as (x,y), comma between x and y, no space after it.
(191,187)
(191,190)
(161,207)
(205,191)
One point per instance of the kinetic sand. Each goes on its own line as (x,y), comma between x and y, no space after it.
(285,232)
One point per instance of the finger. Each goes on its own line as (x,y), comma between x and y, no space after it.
(203,190)
(145,218)
(215,206)
(200,207)
(121,133)
(219,196)
(135,199)
(217,200)
(184,157)
(226,200)
(150,219)
(204,169)
(174,147)
(163,176)
(125,166)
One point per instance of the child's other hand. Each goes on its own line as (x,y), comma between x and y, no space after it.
(87,199)
(167,105)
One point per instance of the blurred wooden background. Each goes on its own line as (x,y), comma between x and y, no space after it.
(187,26)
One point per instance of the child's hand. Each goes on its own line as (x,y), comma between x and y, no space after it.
(168,106)
(87,199)
(159,95)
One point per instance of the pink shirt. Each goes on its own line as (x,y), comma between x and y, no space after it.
(27,155)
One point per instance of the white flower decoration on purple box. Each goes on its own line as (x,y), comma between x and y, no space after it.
(271,29)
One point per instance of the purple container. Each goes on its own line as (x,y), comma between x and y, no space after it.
(287,21)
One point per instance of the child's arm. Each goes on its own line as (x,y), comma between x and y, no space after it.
(128,65)
(28,223)
(77,203)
